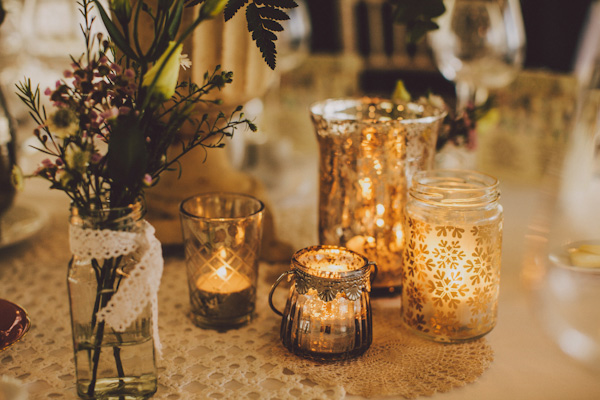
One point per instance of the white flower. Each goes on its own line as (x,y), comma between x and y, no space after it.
(185,62)
(436,101)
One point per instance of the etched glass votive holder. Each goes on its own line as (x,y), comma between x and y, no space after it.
(328,311)
(452,258)
(222,235)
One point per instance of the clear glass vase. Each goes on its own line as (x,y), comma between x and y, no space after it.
(109,364)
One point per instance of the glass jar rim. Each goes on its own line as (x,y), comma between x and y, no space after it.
(455,188)
(136,208)
(332,110)
(224,195)
(331,275)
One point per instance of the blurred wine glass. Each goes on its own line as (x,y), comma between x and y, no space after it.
(480,45)
(562,265)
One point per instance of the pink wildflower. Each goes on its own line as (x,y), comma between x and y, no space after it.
(96,157)
(124,110)
(48,91)
(110,113)
(68,73)
(147,180)
(116,67)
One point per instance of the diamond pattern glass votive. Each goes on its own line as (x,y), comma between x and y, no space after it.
(452,258)
(222,234)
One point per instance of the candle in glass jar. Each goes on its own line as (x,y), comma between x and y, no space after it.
(222,235)
(222,281)
(224,295)
(328,312)
(452,258)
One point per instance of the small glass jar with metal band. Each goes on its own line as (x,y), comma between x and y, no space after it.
(328,311)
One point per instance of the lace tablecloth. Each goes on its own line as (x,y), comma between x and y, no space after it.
(246,363)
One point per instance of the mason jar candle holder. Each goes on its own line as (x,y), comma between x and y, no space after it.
(328,311)
(452,259)
(222,235)
(369,150)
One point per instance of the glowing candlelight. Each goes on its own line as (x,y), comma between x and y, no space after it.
(222,233)
(452,261)
(329,314)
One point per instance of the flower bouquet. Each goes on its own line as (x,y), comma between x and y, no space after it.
(116,112)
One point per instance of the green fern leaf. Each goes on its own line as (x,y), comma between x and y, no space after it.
(273,13)
(265,40)
(272,26)
(277,3)
(232,7)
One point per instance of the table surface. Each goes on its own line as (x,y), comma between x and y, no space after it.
(527,364)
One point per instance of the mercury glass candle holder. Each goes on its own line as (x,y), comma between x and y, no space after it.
(328,311)
(369,150)
(222,234)
(452,258)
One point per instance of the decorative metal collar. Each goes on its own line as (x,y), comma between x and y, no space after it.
(328,288)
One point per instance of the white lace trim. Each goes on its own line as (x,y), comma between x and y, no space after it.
(143,282)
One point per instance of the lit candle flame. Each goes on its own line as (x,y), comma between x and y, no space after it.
(223,252)
(222,272)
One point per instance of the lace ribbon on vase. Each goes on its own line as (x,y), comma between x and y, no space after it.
(143,281)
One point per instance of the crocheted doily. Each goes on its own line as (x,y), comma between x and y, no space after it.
(247,363)
(400,363)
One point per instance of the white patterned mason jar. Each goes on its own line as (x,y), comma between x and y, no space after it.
(452,259)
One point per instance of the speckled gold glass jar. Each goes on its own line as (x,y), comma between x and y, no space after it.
(369,150)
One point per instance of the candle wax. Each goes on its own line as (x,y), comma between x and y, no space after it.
(230,283)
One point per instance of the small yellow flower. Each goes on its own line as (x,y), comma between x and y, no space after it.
(63,177)
(16,177)
(164,88)
(63,123)
(76,158)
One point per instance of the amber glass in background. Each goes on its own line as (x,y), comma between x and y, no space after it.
(452,257)
(369,150)
(222,234)
(328,311)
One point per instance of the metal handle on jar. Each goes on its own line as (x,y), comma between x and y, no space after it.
(375,270)
(273,291)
